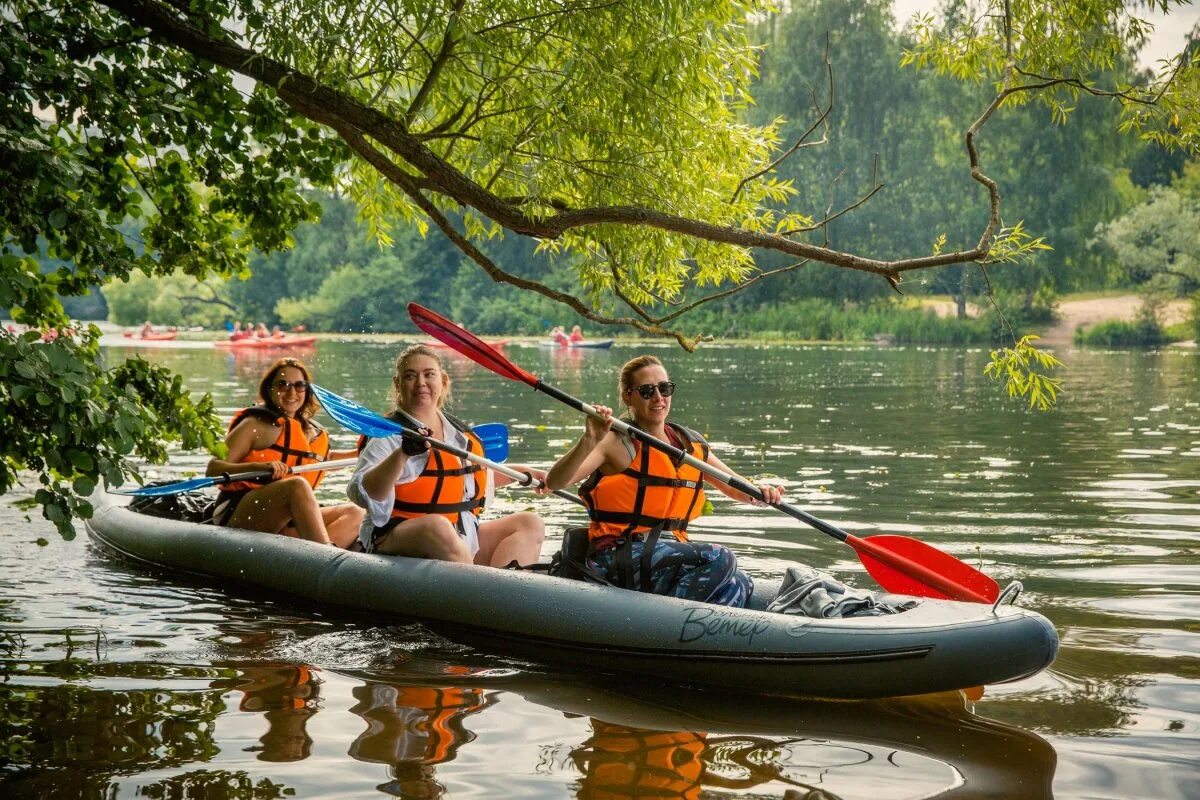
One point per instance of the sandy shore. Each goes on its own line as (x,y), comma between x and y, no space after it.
(1083,312)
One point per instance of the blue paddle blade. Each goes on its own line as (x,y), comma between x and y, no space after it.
(494,436)
(355,417)
(360,419)
(170,488)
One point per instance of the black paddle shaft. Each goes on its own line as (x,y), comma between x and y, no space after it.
(680,455)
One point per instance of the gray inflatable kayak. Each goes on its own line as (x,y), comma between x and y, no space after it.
(936,646)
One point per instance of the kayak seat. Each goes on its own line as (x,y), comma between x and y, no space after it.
(571,559)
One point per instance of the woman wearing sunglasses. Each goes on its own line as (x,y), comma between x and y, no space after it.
(279,434)
(427,503)
(640,501)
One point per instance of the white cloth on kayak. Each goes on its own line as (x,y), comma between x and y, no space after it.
(379,511)
(807,592)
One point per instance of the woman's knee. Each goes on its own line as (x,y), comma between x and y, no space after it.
(443,537)
(529,523)
(297,488)
(348,511)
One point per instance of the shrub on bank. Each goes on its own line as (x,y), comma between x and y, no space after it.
(1115,333)
(821,320)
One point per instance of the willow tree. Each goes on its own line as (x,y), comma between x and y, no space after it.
(609,130)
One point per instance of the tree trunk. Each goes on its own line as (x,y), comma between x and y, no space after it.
(960,297)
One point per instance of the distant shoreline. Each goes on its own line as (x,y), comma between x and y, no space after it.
(1082,310)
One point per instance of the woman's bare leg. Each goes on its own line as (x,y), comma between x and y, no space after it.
(342,523)
(270,508)
(517,537)
(431,536)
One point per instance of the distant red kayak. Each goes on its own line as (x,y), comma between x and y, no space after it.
(495,343)
(153,336)
(268,344)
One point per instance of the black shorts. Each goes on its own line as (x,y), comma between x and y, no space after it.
(227,503)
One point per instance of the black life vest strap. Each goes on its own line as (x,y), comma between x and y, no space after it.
(437,508)
(658,480)
(639,499)
(288,451)
(642,578)
(449,473)
(637,521)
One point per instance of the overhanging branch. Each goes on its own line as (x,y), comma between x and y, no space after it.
(339,110)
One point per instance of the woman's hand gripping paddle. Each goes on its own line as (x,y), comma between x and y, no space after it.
(365,421)
(897,563)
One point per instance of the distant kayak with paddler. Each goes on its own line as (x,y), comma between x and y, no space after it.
(596,344)
(267,343)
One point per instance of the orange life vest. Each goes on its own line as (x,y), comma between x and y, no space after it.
(620,762)
(292,447)
(652,490)
(278,687)
(444,711)
(440,486)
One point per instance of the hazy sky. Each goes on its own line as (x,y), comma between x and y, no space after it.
(1169,34)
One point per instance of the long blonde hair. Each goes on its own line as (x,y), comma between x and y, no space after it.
(402,362)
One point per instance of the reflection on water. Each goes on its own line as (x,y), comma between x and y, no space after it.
(119,682)
(179,731)
(412,729)
(286,696)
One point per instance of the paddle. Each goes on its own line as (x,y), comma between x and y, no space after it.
(365,421)
(218,480)
(493,435)
(898,563)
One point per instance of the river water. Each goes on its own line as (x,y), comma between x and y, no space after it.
(117,682)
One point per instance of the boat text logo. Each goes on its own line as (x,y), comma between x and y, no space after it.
(702,622)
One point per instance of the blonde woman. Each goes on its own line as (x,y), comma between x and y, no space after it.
(427,503)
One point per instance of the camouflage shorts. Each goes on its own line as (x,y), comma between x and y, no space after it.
(688,570)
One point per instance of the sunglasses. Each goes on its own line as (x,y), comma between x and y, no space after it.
(646,390)
(282,386)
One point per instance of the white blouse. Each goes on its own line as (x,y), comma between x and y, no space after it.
(379,511)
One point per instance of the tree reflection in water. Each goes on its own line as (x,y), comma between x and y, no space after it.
(66,731)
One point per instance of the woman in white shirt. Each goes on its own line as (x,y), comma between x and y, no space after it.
(424,502)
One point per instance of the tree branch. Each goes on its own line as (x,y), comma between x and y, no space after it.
(876,186)
(351,118)
(338,110)
(378,160)
(822,120)
(435,68)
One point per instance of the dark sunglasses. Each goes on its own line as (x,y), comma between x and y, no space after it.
(646,390)
(282,386)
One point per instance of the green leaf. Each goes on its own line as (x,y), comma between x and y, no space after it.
(81,460)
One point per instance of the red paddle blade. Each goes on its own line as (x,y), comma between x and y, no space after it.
(909,566)
(463,341)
